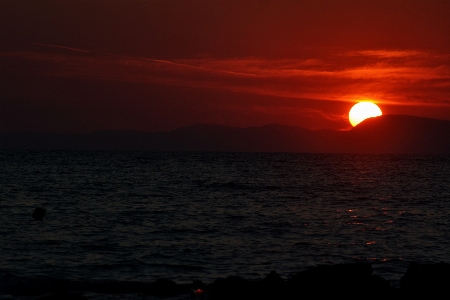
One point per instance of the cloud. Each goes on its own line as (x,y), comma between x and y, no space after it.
(61,47)
(388,76)
(387,53)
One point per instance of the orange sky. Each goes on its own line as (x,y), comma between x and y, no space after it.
(79,66)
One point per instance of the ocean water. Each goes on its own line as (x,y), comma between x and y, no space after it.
(139,216)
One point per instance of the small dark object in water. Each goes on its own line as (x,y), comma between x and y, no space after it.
(38,213)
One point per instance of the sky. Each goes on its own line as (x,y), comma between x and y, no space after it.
(81,66)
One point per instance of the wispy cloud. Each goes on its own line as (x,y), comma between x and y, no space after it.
(389,76)
(387,53)
(61,47)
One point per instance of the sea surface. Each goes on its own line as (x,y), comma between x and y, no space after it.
(184,216)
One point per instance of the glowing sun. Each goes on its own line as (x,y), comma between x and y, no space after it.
(363,110)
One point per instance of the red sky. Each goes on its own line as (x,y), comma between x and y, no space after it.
(80,66)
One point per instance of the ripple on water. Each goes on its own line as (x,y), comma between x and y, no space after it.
(190,216)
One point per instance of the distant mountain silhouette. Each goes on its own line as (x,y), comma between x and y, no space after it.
(402,134)
(395,134)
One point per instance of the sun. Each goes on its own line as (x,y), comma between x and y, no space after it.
(363,110)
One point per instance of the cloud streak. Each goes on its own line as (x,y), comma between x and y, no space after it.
(297,88)
(387,76)
(61,47)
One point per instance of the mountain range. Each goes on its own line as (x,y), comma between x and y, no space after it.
(387,134)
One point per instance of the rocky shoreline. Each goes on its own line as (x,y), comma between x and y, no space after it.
(341,280)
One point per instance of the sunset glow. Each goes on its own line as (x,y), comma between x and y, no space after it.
(224,149)
(236,63)
(362,111)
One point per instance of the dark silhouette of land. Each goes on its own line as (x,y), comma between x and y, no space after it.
(390,134)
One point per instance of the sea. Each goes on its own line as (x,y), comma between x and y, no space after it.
(129,216)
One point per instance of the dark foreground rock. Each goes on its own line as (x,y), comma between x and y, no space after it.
(344,280)
(426,279)
(348,281)
(165,287)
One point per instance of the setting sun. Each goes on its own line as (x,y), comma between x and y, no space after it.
(362,111)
